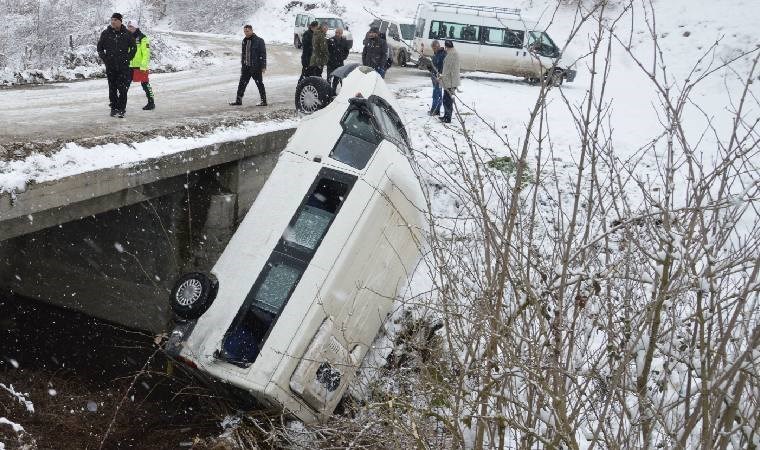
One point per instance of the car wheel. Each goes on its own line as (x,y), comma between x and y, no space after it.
(402,59)
(313,94)
(555,78)
(193,294)
(297,41)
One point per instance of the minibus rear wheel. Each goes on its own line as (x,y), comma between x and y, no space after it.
(193,294)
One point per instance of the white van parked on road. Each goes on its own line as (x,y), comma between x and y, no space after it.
(491,39)
(332,21)
(399,34)
(303,287)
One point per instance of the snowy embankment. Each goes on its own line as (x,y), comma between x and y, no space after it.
(74,159)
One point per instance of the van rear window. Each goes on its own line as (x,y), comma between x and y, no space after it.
(454,31)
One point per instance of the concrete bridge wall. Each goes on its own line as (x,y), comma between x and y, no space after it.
(111,243)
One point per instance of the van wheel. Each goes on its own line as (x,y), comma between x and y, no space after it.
(193,294)
(555,77)
(297,41)
(402,59)
(313,94)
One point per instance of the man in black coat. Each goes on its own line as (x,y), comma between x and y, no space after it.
(254,64)
(337,48)
(375,52)
(307,47)
(116,48)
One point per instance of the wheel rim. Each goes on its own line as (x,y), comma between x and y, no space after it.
(189,292)
(310,98)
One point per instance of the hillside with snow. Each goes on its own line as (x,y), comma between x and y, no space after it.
(592,277)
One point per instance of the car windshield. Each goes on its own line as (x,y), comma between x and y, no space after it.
(407,31)
(331,22)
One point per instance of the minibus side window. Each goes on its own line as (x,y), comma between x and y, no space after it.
(502,37)
(454,31)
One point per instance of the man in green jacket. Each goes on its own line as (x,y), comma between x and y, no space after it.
(320,54)
(141,62)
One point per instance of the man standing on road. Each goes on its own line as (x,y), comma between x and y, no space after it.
(319,53)
(116,48)
(254,65)
(307,48)
(337,47)
(450,80)
(375,53)
(439,54)
(141,62)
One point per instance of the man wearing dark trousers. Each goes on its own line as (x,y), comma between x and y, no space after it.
(307,48)
(116,48)
(337,47)
(254,65)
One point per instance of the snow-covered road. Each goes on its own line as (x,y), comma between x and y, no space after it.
(65,112)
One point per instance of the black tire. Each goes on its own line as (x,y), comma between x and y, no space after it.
(402,58)
(192,295)
(297,41)
(313,94)
(555,78)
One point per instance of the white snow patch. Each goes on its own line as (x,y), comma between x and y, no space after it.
(16,427)
(22,398)
(74,159)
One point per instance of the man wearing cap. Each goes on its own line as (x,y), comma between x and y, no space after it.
(141,62)
(375,53)
(116,48)
(253,65)
(449,79)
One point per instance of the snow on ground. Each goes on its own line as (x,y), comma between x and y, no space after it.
(74,159)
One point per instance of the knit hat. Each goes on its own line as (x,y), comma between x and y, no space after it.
(117,16)
(133,23)
(374,30)
(448,44)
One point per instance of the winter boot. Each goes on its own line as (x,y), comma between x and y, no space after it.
(121,114)
(114,112)
(263,102)
(237,102)
(151,105)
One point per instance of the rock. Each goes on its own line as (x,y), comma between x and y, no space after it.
(686,33)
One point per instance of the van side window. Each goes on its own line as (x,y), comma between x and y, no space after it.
(541,43)
(393,31)
(359,140)
(309,226)
(454,31)
(389,121)
(502,37)
(287,263)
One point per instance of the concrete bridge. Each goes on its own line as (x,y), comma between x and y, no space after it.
(110,243)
